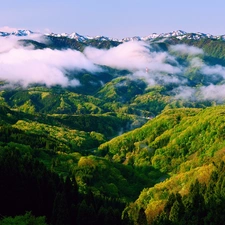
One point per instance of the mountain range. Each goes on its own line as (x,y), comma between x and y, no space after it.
(179,34)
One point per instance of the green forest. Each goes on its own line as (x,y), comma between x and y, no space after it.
(116,149)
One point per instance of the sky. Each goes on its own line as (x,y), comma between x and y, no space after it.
(117,18)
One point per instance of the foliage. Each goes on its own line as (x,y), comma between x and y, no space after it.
(26,185)
(170,141)
(204,204)
(26,219)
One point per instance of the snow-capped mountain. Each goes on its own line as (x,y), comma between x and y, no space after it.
(81,38)
(179,34)
(73,35)
(18,33)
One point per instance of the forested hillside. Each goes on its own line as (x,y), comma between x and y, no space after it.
(109,132)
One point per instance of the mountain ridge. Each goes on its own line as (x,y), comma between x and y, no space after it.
(179,34)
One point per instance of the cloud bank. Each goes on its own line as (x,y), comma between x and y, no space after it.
(25,66)
(203,93)
(137,57)
(132,56)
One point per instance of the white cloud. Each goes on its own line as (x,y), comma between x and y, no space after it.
(27,66)
(184,92)
(132,56)
(156,78)
(213,92)
(186,50)
(12,42)
(7,44)
(150,79)
(213,70)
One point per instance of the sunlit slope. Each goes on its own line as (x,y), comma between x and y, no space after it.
(187,144)
(67,145)
(173,142)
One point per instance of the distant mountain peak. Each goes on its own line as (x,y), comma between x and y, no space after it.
(18,33)
(179,34)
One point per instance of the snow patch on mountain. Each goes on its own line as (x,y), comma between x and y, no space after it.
(18,33)
(179,34)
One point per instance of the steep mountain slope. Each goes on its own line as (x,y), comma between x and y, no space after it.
(173,142)
(184,143)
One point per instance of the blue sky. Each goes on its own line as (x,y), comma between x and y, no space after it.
(117,18)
